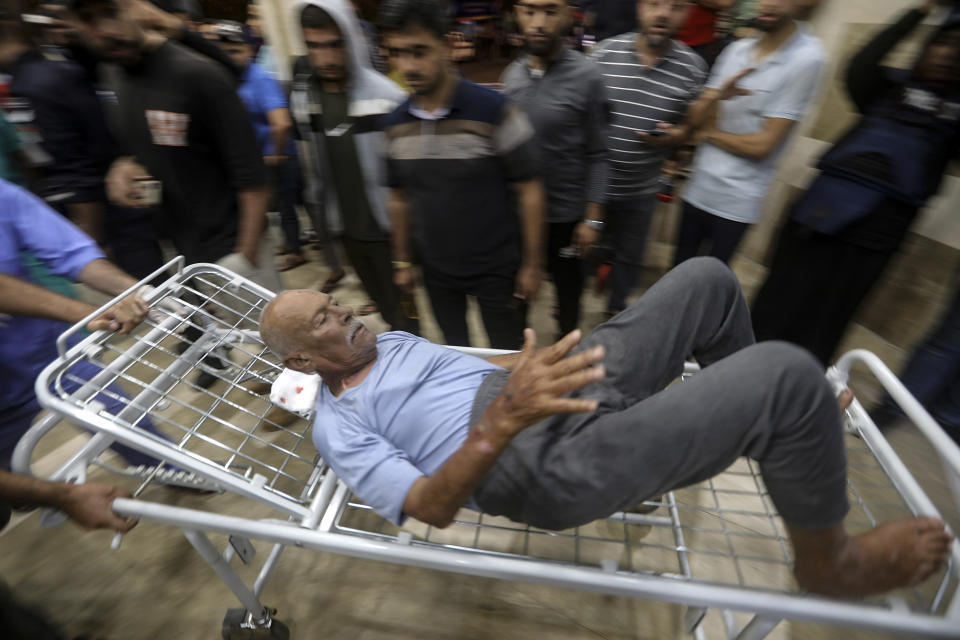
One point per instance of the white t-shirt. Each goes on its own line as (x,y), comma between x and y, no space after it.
(783,86)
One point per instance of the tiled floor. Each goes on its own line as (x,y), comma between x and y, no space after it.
(156,587)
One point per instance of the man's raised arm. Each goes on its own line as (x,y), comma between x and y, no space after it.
(21,298)
(536,390)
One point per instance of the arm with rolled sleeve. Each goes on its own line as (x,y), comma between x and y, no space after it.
(63,248)
(274,104)
(789,105)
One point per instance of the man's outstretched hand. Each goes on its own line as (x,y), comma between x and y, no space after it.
(541,379)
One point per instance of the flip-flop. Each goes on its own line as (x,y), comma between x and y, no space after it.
(331,283)
(291,261)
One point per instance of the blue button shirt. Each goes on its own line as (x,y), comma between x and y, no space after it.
(782,86)
(261,94)
(27,345)
(408,416)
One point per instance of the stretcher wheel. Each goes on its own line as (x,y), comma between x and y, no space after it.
(235,627)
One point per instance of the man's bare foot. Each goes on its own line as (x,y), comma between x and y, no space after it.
(894,555)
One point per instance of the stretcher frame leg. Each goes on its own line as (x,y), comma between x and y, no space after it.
(219,564)
(758,628)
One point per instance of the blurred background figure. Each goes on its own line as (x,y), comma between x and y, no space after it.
(185,128)
(932,375)
(609,18)
(462,169)
(563,94)
(758,90)
(269,111)
(651,81)
(338,98)
(874,181)
(700,30)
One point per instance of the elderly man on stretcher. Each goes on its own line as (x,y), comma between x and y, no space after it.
(560,436)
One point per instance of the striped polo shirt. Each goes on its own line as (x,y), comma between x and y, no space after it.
(456,168)
(640,98)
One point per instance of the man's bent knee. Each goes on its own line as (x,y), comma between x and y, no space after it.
(708,272)
(796,372)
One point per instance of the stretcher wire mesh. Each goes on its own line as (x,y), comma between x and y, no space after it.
(721,532)
(217,410)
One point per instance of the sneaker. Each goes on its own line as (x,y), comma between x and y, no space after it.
(214,367)
(647,507)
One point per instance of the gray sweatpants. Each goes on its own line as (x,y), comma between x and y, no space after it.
(768,401)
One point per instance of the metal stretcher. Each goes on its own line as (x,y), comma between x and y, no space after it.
(717,546)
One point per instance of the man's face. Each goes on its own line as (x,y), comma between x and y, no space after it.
(239,53)
(328,338)
(660,19)
(327,51)
(421,57)
(940,63)
(544,24)
(108,33)
(774,14)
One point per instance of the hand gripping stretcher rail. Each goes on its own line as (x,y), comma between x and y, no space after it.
(230,435)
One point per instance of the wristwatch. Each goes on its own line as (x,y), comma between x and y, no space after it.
(596,225)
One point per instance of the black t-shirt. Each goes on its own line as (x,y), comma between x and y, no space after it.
(180,116)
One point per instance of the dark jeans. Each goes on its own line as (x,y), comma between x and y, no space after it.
(567,274)
(132,237)
(503,315)
(698,227)
(768,401)
(372,262)
(932,374)
(815,286)
(287,187)
(628,222)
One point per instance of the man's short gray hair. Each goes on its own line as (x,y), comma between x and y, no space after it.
(277,340)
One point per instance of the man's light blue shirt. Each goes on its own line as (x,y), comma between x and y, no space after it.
(782,86)
(407,417)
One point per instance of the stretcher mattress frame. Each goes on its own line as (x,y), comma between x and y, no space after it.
(317,511)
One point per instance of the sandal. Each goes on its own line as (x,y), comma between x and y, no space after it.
(291,261)
(332,281)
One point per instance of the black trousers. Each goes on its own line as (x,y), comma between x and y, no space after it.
(372,262)
(567,273)
(698,227)
(503,315)
(817,282)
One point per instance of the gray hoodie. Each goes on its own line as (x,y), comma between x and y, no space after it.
(369,94)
